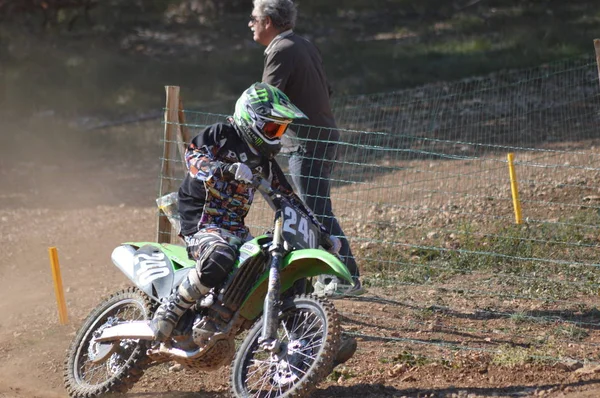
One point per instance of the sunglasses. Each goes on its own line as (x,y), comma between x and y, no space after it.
(274,130)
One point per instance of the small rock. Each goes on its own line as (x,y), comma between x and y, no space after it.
(398,369)
(176,368)
(432,235)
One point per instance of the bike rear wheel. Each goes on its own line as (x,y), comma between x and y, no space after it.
(93,369)
(309,332)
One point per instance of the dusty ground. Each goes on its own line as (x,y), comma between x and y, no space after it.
(85,200)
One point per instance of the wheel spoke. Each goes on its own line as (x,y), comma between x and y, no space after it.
(312,325)
(285,330)
(311,336)
(262,380)
(92,372)
(261,371)
(296,368)
(314,342)
(305,355)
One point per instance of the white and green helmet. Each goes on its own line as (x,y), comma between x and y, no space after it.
(262,114)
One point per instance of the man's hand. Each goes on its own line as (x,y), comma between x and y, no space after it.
(337,245)
(240,172)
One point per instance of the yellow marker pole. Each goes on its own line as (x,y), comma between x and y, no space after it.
(514,188)
(58,287)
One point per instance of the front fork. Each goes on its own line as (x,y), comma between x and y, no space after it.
(268,338)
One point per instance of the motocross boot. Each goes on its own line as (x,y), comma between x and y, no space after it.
(169,313)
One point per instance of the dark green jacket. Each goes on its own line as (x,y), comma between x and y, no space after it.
(294,65)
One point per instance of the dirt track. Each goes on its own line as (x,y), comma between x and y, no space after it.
(85,201)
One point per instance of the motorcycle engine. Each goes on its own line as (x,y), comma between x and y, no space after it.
(204,328)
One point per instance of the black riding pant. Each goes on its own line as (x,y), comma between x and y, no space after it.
(311,171)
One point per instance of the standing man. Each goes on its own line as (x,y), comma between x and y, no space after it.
(294,65)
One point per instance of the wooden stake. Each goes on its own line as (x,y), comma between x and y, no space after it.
(171,137)
(58,286)
(514,188)
(597,49)
(183,133)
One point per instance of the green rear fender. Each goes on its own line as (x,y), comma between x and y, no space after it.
(296,265)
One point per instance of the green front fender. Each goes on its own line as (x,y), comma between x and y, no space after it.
(296,265)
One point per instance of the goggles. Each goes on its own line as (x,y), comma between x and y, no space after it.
(273,130)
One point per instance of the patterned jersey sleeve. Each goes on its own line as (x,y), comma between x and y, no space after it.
(200,156)
(279,182)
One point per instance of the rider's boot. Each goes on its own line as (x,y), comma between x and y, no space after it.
(169,313)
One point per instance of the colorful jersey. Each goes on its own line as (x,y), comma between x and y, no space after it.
(208,195)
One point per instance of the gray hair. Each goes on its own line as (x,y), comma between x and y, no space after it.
(282,12)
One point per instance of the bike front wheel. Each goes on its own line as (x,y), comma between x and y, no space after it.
(309,335)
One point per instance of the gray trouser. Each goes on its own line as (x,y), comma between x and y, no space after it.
(311,171)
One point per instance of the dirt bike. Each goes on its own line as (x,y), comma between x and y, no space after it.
(292,338)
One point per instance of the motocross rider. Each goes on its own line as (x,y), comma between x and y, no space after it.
(216,194)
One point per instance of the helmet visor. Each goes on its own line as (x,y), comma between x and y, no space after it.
(273,130)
